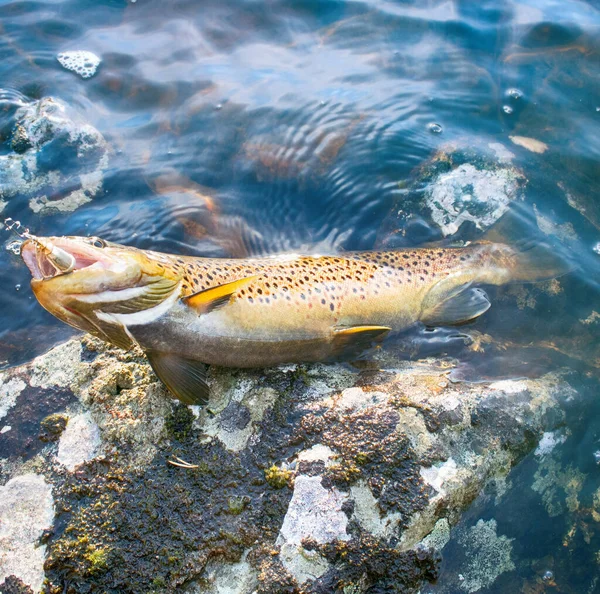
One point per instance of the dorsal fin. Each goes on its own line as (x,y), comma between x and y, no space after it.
(210,299)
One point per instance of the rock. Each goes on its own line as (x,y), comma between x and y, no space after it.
(462,184)
(293,479)
(26,510)
(79,442)
(58,161)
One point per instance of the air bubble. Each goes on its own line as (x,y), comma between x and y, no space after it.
(435,128)
(514,93)
(596,248)
(597,456)
(218,106)
(597,108)
(507,109)
(17,287)
(548,576)
(81,62)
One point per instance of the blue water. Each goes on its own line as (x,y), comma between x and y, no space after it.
(250,127)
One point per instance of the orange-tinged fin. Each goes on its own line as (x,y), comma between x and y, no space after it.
(210,299)
(352,340)
(455,307)
(184,378)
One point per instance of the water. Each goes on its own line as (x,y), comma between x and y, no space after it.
(241,127)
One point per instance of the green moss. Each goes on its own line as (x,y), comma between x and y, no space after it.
(159,582)
(237,504)
(97,559)
(179,422)
(277,477)
(52,426)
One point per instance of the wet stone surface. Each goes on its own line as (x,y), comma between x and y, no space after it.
(313,479)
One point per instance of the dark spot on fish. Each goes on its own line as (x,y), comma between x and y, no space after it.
(331,306)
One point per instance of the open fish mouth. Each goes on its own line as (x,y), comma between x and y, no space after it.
(47,258)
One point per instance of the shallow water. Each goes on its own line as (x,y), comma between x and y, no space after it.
(244,127)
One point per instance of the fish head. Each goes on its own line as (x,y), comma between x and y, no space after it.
(98,286)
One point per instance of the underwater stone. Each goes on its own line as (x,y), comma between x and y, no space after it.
(470,194)
(55,154)
(26,510)
(81,62)
(488,555)
(468,184)
(79,442)
(548,442)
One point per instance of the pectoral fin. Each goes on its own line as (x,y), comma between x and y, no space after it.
(460,306)
(210,299)
(151,295)
(355,339)
(185,378)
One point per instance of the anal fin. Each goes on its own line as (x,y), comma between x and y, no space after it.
(351,341)
(457,308)
(210,299)
(185,378)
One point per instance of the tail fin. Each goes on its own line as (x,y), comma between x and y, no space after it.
(537,262)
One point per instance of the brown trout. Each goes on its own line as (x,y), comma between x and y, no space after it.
(186,312)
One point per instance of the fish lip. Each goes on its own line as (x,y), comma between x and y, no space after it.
(42,269)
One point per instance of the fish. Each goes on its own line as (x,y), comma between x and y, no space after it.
(186,313)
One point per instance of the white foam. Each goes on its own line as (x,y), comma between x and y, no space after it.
(81,62)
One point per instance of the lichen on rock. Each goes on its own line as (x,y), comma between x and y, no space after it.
(26,510)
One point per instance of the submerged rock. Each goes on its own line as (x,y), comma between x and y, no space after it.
(58,161)
(321,478)
(461,185)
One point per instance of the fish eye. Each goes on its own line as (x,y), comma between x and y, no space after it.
(98,243)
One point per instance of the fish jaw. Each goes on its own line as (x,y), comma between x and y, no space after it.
(87,283)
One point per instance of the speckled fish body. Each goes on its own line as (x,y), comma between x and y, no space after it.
(267,311)
(292,307)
